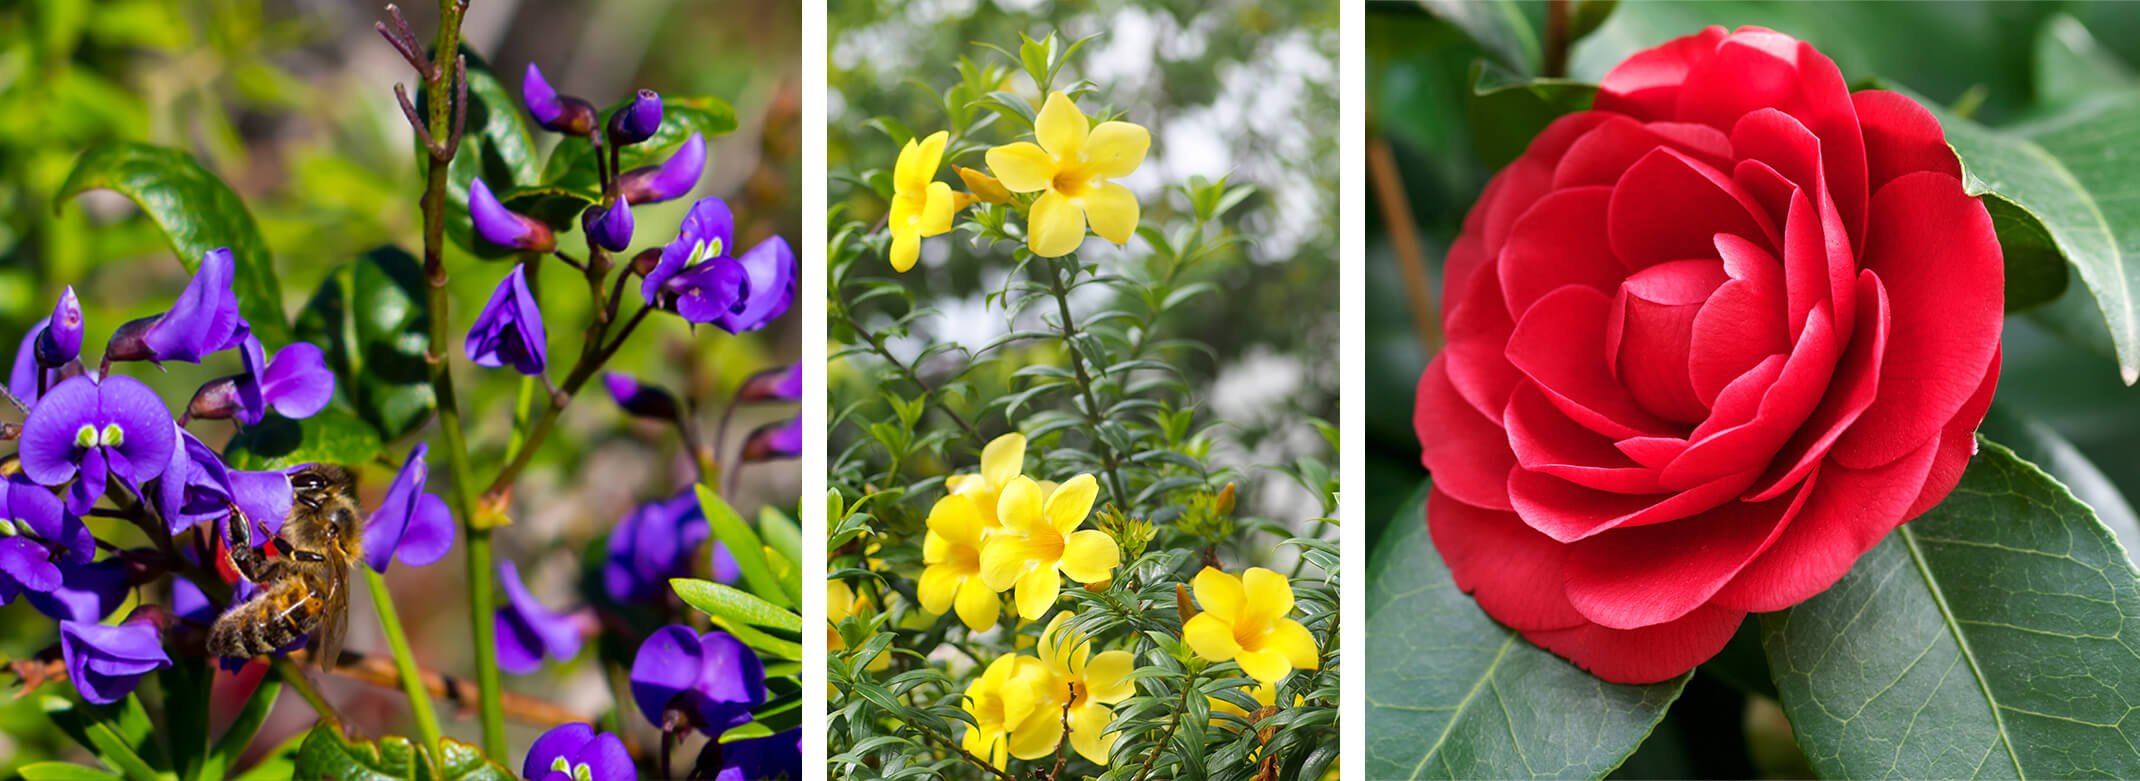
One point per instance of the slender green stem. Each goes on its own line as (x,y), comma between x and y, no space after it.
(1187,687)
(295,676)
(590,362)
(1108,457)
(412,682)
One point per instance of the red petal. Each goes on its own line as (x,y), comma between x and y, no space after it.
(1656,309)
(1670,207)
(1936,252)
(1646,85)
(1742,323)
(1545,440)
(1635,577)
(1901,137)
(1560,241)
(1478,331)
(1721,446)
(1652,452)
(1513,571)
(1466,256)
(1956,445)
(1646,655)
(1568,512)
(1509,195)
(1857,378)
(1467,453)
(1817,236)
(1849,510)
(1560,344)
(1603,154)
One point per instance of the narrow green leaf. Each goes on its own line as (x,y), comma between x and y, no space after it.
(1458,695)
(783,542)
(743,543)
(197,213)
(720,599)
(241,732)
(1988,637)
(62,771)
(1497,26)
(370,319)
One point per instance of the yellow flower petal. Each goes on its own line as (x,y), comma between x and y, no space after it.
(934,548)
(1055,227)
(1004,559)
(1107,677)
(956,520)
(1020,699)
(1070,502)
(937,587)
(985,188)
(906,248)
(1021,167)
(1050,643)
(931,154)
(985,743)
(977,605)
(1266,666)
(1218,592)
(1210,637)
(1090,556)
(907,173)
(1036,592)
(1288,637)
(959,484)
(1003,458)
(1060,128)
(1115,149)
(1112,209)
(1267,593)
(839,601)
(1088,732)
(1036,736)
(1019,507)
(936,211)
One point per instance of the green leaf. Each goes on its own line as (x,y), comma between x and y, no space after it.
(241,732)
(62,771)
(495,147)
(1507,110)
(333,436)
(1497,26)
(718,599)
(1982,638)
(326,753)
(1457,695)
(370,319)
(197,213)
(742,542)
(2037,443)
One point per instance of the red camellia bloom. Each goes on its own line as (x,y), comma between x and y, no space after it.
(1708,343)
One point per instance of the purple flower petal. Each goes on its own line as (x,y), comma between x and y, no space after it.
(725,567)
(384,531)
(542,102)
(768,290)
(87,592)
(610,228)
(264,497)
(22,376)
(781,384)
(61,341)
(205,317)
(48,450)
(732,681)
(107,662)
(708,232)
(88,486)
(535,631)
(297,381)
(194,485)
(143,422)
(606,759)
(775,441)
(27,565)
(641,399)
(510,329)
(189,603)
(561,742)
(637,121)
(671,180)
(667,664)
(707,292)
(503,227)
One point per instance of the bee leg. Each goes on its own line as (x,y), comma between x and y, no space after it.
(245,557)
(307,556)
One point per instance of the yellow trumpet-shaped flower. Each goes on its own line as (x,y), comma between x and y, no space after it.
(1070,168)
(1088,683)
(1244,620)
(1002,459)
(1005,697)
(952,554)
(1040,538)
(920,206)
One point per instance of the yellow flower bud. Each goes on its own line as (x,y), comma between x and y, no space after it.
(984,187)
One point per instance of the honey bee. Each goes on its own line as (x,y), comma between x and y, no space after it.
(304,587)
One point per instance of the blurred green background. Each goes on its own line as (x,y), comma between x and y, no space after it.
(2000,63)
(292,104)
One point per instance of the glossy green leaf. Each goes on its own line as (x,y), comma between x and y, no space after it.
(62,771)
(1497,26)
(2037,443)
(370,319)
(743,543)
(197,213)
(1457,695)
(1507,111)
(718,599)
(327,754)
(1986,638)
(495,146)
(334,436)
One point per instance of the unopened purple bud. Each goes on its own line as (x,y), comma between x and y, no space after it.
(61,340)
(504,228)
(672,179)
(641,399)
(637,121)
(217,399)
(559,113)
(646,261)
(775,441)
(610,228)
(781,384)
(130,342)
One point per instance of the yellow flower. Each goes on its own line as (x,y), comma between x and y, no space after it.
(985,188)
(1039,539)
(1005,697)
(1002,459)
(1088,683)
(1244,620)
(841,601)
(952,553)
(1070,168)
(920,206)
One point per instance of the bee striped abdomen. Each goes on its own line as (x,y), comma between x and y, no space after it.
(268,621)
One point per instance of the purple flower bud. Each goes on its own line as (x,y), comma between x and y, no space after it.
(774,441)
(575,751)
(713,677)
(562,114)
(779,384)
(203,321)
(647,260)
(22,376)
(527,631)
(412,526)
(610,228)
(752,759)
(637,121)
(510,330)
(107,662)
(505,228)
(94,430)
(61,339)
(670,180)
(644,400)
(216,399)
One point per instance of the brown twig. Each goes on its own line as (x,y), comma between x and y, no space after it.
(1061,755)
(1188,686)
(1556,64)
(1404,239)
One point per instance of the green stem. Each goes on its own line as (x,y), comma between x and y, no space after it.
(591,360)
(295,676)
(412,682)
(1108,457)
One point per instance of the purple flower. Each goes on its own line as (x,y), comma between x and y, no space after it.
(509,331)
(203,321)
(698,280)
(116,427)
(775,441)
(195,486)
(504,227)
(412,526)
(22,376)
(768,289)
(777,384)
(637,121)
(36,536)
(567,752)
(87,592)
(656,542)
(712,677)
(566,114)
(107,662)
(758,759)
(708,232)
(642,399)
(296,383)
(610,228)
(61,340)
(669,181)
(527,630)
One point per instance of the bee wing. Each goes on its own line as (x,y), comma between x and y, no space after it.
(334,621)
